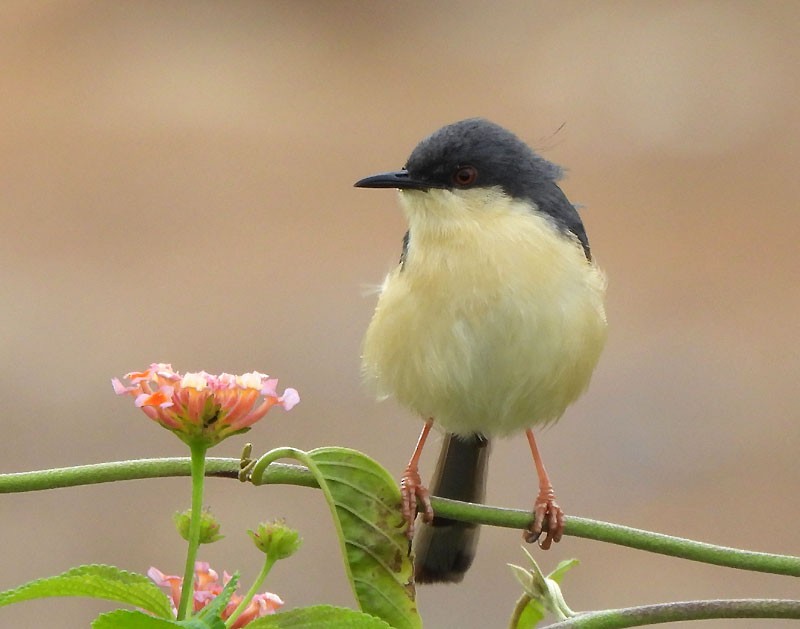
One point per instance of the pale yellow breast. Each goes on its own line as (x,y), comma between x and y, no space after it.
(494,324)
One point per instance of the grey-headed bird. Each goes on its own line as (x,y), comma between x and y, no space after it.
(491,324)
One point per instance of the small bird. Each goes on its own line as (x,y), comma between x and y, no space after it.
(491,324)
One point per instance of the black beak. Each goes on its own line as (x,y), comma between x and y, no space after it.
(398,179)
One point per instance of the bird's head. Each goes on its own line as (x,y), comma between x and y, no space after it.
(475,165)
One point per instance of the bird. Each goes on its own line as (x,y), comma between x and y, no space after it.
(490,325)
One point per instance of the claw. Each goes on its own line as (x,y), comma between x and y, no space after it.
(546,515)
(411,490)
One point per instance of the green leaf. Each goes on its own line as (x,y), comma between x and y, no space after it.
(531,616)
(96,581)
(365,503)
(319,616)
(205,622)
(542,594)
(562,568)
(127,619)
(525,577)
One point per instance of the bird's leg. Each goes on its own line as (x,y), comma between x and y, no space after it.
(411,487)
(545,509)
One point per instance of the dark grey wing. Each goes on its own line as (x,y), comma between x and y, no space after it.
(552,201)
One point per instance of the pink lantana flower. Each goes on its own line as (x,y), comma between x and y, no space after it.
(202,407)
(207,586)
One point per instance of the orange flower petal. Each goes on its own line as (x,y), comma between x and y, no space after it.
(162,398)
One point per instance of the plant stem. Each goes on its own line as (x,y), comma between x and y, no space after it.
(268,563)
(136,469)
(627,536)
(687,610)
(279,473)
(198,480)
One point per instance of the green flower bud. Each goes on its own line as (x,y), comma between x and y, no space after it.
(209,527)
(275,539)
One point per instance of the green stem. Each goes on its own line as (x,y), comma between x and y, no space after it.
(268,563)
(688,610)
(627,536)
(278,473)
(136,469)
(198,480)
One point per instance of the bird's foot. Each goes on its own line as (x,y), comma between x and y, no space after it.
(546,514)
(412,490)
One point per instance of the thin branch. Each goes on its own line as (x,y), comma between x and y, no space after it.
(278,473)
(687,610)
(142,468)
(629,537)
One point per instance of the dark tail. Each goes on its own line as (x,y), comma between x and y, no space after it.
(445,548)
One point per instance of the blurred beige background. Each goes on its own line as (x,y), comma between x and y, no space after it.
(176,185)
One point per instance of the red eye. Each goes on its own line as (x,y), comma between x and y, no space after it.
(465,175)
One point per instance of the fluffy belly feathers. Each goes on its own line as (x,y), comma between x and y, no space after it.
(488,333)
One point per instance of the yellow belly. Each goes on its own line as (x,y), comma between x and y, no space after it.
(493,325)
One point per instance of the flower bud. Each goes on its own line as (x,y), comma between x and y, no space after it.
(275,539)
(209,527)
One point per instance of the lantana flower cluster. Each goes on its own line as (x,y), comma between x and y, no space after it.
(203,407)
(207,586)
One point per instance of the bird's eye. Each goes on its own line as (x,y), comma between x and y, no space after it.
(465,175)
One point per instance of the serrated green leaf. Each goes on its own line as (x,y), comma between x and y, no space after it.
(96,581)
(319,616)
(365,503)
(127,619)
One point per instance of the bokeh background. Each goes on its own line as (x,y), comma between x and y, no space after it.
(176,185)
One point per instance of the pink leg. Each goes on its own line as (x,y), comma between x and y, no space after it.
(545,509)
(411,487)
